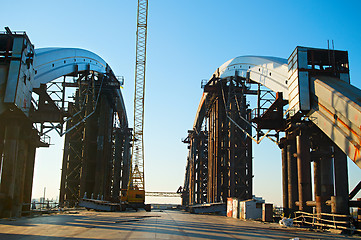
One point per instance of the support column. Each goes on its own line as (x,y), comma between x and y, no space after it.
(2,133)
(118,159)
(87,179)
(101,142)
(327,187)
(29,175)
(192,171)
(292,175)
(107,160)
(285,178)
(220,164)
(304,171)
(64,168)
(320,203)
(7,187)
(211,158)
(232,151)
(20,177)
(341,181)
(126,158)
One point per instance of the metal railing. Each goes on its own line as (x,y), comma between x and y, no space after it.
(325,220)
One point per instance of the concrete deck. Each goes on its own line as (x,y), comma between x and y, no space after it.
(147,225)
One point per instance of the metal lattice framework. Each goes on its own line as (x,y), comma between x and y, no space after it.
(137,175)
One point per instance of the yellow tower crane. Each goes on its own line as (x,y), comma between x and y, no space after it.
(135,195)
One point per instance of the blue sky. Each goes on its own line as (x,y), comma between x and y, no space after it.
(187,41)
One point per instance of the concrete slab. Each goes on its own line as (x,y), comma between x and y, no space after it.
(147,225)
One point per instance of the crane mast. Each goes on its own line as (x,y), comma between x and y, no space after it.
(137,167)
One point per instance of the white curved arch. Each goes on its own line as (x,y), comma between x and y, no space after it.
(271,72)
(52,63)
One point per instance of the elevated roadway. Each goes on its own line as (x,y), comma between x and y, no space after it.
(149,225)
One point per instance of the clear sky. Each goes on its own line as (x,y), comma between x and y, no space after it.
(187,41)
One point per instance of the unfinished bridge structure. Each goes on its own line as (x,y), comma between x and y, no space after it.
(305,104)
(71,91)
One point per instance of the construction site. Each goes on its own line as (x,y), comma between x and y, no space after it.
(304,104)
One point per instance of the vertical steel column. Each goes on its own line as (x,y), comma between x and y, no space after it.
(317,185)
(89,150)
(292,175)
(285,178)
(341,181)
(214,165)
(126,158)
(201,167)
(249,166)
(20,175)
(197,170)
(192,170)
(64,168)
(231,145)
(7,186)
(243,154)
(185,192)
(103,163)
(29,173)
(211,157)
(72,159)
(327,187)
(304,170)
(99,174)
(2,132)
(118,159)
(204,164)
(108,158)
(222,167)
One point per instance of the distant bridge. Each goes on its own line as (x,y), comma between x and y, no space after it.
(162,194)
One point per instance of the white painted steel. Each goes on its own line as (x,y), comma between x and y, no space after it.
(52,63)
(271,72)
(335,104)
(336,110)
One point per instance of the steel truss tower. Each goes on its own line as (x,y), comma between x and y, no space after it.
(137,173)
